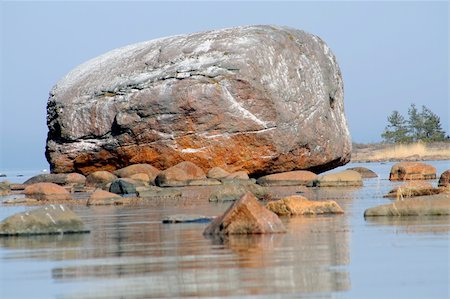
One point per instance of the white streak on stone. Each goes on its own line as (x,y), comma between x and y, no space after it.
(62,207)
(205,46)
(192,150)
(228,135)
(51,218)
(238,107)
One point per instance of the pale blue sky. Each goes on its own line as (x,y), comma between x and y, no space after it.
(391,54)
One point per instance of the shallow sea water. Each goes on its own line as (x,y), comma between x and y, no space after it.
(131,254)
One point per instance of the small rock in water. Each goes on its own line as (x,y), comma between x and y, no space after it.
(181,218)
(432,205)
(290,178)
(122,187)
(246,216)
(47,191)
(102,197)
(346,178)
(231,192)
(179,175)
(299,205)
(412,171)
(444,179)
(51,219)
(365,172)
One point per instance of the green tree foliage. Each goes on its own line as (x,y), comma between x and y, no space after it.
(431,126)
(420,126)
(397,130)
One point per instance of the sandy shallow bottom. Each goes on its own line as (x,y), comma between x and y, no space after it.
(131,254)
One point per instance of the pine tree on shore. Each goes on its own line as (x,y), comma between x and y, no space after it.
(420,126)
(397,130)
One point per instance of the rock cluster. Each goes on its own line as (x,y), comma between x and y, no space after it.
(262,99)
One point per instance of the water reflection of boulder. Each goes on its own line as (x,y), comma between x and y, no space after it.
(414,224)
(310,258)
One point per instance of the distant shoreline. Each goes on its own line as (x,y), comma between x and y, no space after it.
(381,152)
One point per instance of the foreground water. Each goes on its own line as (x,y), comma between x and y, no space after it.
(131,254)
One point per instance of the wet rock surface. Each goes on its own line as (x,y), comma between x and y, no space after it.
(262,99)
(246,216)
(51,219)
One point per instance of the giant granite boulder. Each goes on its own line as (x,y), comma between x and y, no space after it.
(262,99)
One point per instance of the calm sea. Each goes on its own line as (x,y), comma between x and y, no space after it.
(131,254)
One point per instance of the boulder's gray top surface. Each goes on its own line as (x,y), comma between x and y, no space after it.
(263,99)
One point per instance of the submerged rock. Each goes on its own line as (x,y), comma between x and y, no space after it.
(238,97)
(47,191)
(421,206)
(412,171)
(246,216)
(52,219)
(231,192)
(299,205)
(182,218)
(346,178)
(365,173)
(444,179)
(291,178)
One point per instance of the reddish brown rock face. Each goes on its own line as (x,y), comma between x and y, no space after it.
(412,171)
(246,216)
(261,99)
